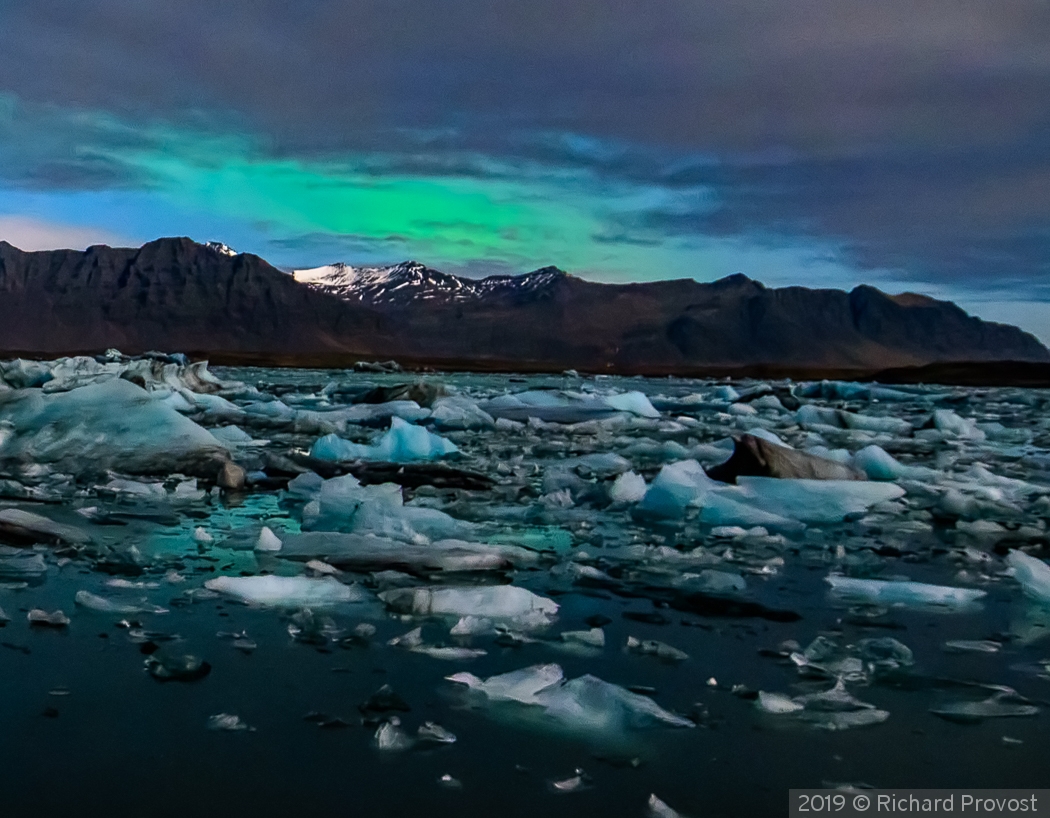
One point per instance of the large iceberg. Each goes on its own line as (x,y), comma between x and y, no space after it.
(111,425)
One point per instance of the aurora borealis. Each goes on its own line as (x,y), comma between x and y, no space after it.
(900,147)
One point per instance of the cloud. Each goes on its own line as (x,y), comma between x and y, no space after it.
(911,137)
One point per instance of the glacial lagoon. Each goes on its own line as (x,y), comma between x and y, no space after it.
(332,592)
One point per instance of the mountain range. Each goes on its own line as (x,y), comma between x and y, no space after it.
(208,300)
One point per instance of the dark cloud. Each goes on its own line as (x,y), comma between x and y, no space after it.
(914,135)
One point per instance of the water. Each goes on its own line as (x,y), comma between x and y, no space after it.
(84,724)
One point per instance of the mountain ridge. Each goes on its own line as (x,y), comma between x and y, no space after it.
(177,294)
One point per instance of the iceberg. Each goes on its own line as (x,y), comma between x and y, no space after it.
(893,592)
(287,592)
(94,602)
(1005,703)
(112,425)
(343,504)
(567,407)
(1032,573)
(878,464)
(628,488)
(403,443)
(951,424)
(508,603)
(813,501)
(459,413)
(586,703)
(367,552)
(677,487)
(27,527)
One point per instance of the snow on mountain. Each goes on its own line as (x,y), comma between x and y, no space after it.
(222,249)
(411,281)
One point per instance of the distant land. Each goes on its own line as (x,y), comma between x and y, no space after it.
(209,301)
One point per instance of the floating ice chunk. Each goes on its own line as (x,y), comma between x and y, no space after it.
(629,487)
(574,783)
(435,733)
(18,564)
(946,421)
(520,686)
(712,581)
(136,488)
(634,402)
(112,425)
(93,602)
(167,667)
(655,808)
(593,638)
(496,602)
(585,703)
(869,423)
(472,626)
(201,536)
(878,464)
(677,487)
(727,393)
(566,407)
(267,541)
(233,435)
(885,650)
(229,723)
(1032,573)
(770,402)
(732,507)
(812,501)
(25,526)
(22,374)
(742,409)
(287,592)
(765,434)
(343,504)
(403,443)
(54,619)
(413,641)
(598,464)
(1003,704)
(391,738)
(377,413)
(650,647)
(367,552)
(889,592)
(972,646)
(777,703)
(459,413)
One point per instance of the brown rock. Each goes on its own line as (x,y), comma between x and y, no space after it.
(757,457)
(231,476)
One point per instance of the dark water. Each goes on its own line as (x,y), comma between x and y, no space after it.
(121,743)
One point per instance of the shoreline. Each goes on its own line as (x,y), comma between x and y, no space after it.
(1026,374)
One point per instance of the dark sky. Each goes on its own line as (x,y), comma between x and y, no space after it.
(898,141)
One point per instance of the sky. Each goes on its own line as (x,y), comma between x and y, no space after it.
(824,143)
